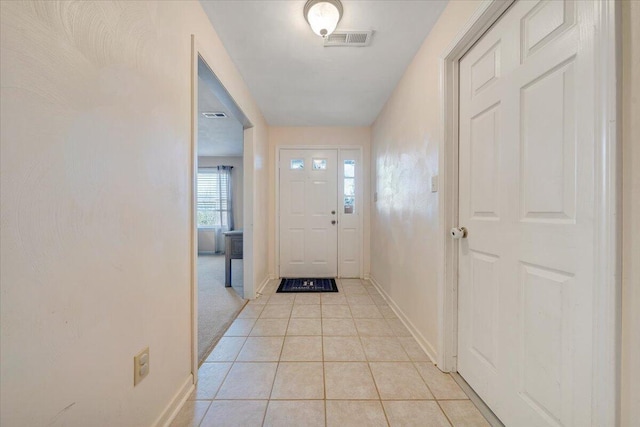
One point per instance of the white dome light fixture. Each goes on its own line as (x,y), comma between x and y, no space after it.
(323,15)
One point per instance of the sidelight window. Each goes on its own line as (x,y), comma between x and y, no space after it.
(349,186)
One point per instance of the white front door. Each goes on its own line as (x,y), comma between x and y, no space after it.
(526,190)
(308,213)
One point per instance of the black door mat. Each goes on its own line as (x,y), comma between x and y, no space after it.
(307,285)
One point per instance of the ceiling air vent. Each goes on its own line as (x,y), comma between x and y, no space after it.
(348,38)
(215,115)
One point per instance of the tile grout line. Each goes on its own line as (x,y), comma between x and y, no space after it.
(375,384)
(222,382)
(273,382)
(324,378)
(445,414)
(205,412)
(432,394)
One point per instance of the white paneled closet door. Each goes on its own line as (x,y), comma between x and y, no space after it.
(526,157)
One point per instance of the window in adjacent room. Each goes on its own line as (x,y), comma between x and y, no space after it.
(214,198)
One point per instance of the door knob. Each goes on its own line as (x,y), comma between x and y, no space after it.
(458,232)
(334,222)
(333,212)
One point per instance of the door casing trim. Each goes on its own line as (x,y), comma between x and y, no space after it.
(607,245)
(198,51)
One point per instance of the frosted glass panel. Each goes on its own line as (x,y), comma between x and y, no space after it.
(349,187)
(349,168)
(319,164)
(349,204)
(297,164)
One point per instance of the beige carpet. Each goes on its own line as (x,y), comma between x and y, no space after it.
(217,306)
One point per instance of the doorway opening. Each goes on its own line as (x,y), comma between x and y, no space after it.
(218,206)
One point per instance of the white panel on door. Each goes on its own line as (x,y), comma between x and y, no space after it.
(543,303)
(548,146)
(484,284)
(350,247)
(543,23)
(486,69)
(297,200)
(484,163)
(320,200)
(319,251)
(296,239)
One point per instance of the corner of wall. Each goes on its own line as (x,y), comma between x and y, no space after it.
(171,411)
(426,346)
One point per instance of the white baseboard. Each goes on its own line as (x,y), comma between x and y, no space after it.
(484,409)
(170,412)
(264,283)
(422,341)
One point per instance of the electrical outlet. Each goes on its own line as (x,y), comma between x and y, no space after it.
(140,366)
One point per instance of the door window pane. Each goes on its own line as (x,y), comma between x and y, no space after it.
(297,164)
(349,187)
(319,164)
(349,204)
(349,168)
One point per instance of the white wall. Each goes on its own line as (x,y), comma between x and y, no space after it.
(206,237)
(404,151)
(631,213)
(256,160)
(95,205)
(324,136)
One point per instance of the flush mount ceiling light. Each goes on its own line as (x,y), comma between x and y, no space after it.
(323,15)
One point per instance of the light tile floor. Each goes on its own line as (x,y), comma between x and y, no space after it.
(333,359)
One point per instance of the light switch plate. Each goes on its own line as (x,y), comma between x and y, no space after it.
(434,184)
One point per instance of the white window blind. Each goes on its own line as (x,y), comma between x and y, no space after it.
(212,198)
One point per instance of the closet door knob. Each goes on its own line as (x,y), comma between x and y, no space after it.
(458,233)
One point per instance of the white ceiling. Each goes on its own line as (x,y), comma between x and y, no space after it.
(298,82)
(216,137)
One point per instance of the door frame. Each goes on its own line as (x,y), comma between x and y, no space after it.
(198,51)
(359,199)
(607,244)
